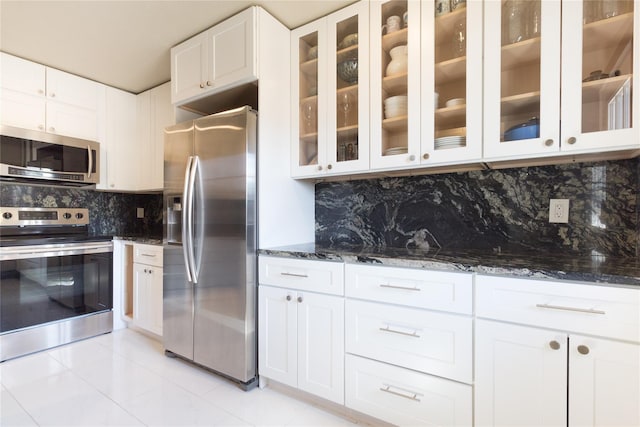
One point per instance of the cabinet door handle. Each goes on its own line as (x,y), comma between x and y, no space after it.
(393,331)
(300,299)
(407,394)
(583,349)
(572,140)
(329,166)
(208,83)
(288,297)
(145,270)
(319,167)
(579,310)
(201,85)
(148,255)
(412,158)
(548,142)
(425,156)
(404,288)
(555,345)
(294,275)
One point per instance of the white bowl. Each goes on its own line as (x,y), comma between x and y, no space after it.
(455,101)
(396,101)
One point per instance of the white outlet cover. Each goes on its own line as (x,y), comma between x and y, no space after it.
(559,211)
(140,212)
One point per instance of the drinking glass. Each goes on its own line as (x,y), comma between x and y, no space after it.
(344,101)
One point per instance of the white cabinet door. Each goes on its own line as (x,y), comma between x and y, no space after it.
(520,375)
(604,382)
(189,68)
(120,144)
(330,109)
(277,335)
(22,110)
(70,120)
(232,58)
(73,90)
(395,135)
(147,298)
(21,75)
(321,345)
(521,80)
(601,114)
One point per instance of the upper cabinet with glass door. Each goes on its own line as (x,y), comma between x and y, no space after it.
(521,78)
(330,111)
(600,62)
(451,82)
(395,84)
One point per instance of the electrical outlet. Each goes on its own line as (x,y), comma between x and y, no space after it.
(559,210)
(140,212)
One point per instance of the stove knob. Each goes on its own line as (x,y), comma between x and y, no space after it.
(66,215)
(79,215)
(7,215)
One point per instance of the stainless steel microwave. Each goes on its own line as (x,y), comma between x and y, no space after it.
(38,157)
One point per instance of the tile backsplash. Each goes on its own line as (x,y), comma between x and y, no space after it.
(504,210)
(109,213)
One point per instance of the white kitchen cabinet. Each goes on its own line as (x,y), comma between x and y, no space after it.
(560,364)
(409,344)
(330,107)
(45,99)
(218,58)
(147,287)
(120,148)
(301,333)
(432,132)
(540,70)
(154,113)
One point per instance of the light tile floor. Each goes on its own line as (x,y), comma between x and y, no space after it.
(124,379)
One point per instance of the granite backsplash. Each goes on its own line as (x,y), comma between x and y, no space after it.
(497,210)
(109,213)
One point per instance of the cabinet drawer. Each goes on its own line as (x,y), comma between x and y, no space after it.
(434,343)
(589,309)
(306,275)
(436,290)
(403,397)
(147,254)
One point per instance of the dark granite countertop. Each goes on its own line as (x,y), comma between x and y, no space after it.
(139,239)
(553,266)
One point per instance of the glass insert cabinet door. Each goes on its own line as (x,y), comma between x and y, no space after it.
(330,94)
(521,78)
(600,107)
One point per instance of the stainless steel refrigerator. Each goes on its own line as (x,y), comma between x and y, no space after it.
(210,263)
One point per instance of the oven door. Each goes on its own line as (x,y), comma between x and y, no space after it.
(50,283)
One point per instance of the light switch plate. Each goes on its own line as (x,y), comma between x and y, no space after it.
(559,210)
(140,212)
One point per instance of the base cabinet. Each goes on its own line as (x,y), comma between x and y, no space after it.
(302,340)
(404,397)
(147,288)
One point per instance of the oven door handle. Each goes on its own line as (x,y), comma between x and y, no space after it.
(46,251)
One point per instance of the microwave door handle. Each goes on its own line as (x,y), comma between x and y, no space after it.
(186,222)
(90,161)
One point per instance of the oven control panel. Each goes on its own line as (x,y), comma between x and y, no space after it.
(11,216)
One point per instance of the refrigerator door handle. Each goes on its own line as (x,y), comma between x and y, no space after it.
(187,193)
(197,213)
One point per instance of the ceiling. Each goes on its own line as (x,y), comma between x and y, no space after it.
(125,43)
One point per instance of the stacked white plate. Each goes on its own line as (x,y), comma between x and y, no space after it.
(450,142)
(395,150)
(395,106)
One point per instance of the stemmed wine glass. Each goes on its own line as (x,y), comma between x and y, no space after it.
(344,101)
(308,111)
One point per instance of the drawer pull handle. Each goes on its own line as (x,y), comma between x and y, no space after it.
(411,395)
(393,331)
(294,275)
(404,288)
(580,310)
(148,255)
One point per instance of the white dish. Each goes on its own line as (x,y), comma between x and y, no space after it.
(455,101)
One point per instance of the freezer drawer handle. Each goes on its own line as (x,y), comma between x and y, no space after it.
(294,275)
(410,396)
(404,288)
(393,331)
(580,310)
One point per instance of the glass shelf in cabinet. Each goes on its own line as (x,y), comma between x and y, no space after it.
(520,103)
(395,85)
(309,137)
(603,89)
(451,70)
(396,38)
(516,54)
(444,23)
(608,33)
(347,53)
(396,124)
(309,67)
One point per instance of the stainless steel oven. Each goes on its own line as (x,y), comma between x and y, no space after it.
(56,281)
